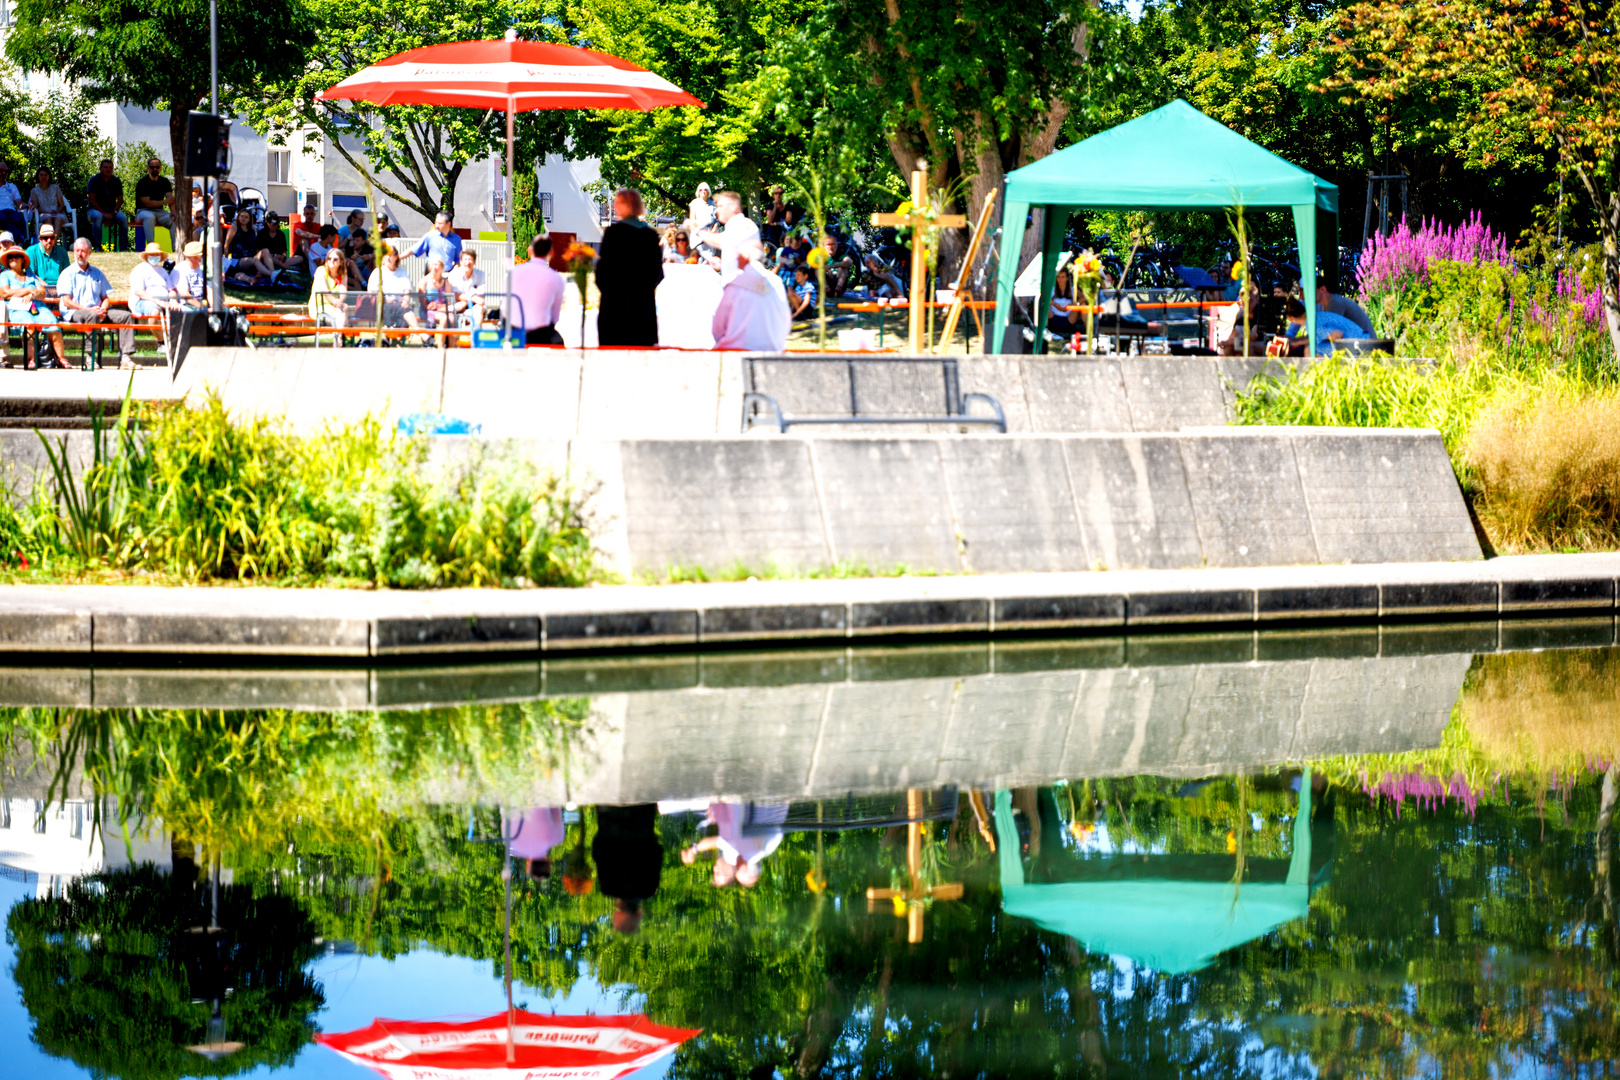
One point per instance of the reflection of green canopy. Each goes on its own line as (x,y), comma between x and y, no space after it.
(1173,158)
(1161,923)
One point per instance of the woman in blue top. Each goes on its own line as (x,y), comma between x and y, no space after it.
(23,293)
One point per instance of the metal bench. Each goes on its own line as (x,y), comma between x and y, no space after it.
(832,388)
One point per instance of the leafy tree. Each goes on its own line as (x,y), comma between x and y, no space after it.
(110,969)
(65,142)
(1547,67)
(154,54)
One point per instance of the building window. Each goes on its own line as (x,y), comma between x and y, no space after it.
(5,813)
(279,165)
(546,203)
(497,201)
(5,13)
(39,816)
(76,821)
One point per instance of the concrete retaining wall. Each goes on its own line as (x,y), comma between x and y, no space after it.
(799,726)
(1221,497)
(609,395)
(944,504)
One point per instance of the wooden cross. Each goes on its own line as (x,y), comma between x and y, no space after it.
(917,892)
(918,221)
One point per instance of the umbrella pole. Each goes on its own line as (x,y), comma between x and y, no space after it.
(506,874)
(511,226)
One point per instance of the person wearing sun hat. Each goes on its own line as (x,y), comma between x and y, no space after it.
(47,258)
(151,289)
(190,279)
(23,293)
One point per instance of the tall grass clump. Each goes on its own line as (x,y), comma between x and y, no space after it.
(202,497)
(1545,468)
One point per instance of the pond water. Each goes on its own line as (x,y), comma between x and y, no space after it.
(1379,853)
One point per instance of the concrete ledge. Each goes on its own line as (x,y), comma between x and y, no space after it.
(134,620)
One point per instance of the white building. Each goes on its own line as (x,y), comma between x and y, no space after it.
(303,172)
(58,841)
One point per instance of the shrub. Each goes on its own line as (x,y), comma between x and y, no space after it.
(1545,467)
(203,497)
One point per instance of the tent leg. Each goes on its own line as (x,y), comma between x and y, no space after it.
(1054,228)
(1013,217)
(1305,232)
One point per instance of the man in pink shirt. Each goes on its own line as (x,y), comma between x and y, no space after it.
(537,296)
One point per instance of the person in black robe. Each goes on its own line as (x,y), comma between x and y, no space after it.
(629,266)
(629,859)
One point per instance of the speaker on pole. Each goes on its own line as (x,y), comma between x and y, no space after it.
(208,145)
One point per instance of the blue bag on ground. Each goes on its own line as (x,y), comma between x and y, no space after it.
(436,424)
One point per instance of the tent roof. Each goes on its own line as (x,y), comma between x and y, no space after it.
(1169,926)
(1174,156)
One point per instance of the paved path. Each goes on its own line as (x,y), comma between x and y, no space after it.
(355,623)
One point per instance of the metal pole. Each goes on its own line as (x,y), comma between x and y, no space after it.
(506,875)
(216,268)
(511,232)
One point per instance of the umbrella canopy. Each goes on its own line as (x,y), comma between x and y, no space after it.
(509,75)
(575,1047)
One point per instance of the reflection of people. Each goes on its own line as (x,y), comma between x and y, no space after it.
(629,860)
(530,836)
(740,853)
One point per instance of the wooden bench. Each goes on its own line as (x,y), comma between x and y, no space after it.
(830,388)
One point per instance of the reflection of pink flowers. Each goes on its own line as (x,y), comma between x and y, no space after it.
(1425,790)
(1389,263)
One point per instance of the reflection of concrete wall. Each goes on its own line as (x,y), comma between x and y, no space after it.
(823,741)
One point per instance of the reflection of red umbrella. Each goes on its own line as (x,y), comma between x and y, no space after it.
(515,76)
(546,1047)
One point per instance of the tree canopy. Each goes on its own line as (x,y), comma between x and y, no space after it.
(154,54)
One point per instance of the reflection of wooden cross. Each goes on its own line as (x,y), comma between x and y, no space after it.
(918,221)
(914,896)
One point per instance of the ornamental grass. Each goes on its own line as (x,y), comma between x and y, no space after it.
(194,495)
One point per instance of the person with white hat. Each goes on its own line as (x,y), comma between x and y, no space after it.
(151,289)
(47,258)
(189,279)
(86,298)
(23,292)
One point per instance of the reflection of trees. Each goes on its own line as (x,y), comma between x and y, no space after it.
(246,779)
(107,976)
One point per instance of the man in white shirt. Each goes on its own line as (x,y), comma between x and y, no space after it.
(739,233)
(537,296)
(753,313)
(151,289)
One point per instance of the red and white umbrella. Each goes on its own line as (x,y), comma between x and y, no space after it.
(512,75)
(533,1047)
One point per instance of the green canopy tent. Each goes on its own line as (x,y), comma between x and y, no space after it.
(1173,158)
(1163,920)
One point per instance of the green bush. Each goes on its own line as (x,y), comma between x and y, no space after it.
(202,497)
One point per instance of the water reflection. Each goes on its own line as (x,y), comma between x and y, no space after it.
(1434,905)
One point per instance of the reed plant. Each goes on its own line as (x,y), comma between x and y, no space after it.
(200,496)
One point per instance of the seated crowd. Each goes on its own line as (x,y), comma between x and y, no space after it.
(34,280)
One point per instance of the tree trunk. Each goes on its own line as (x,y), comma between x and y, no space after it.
(180,213)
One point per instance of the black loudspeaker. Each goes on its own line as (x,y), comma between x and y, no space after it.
(208,145)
